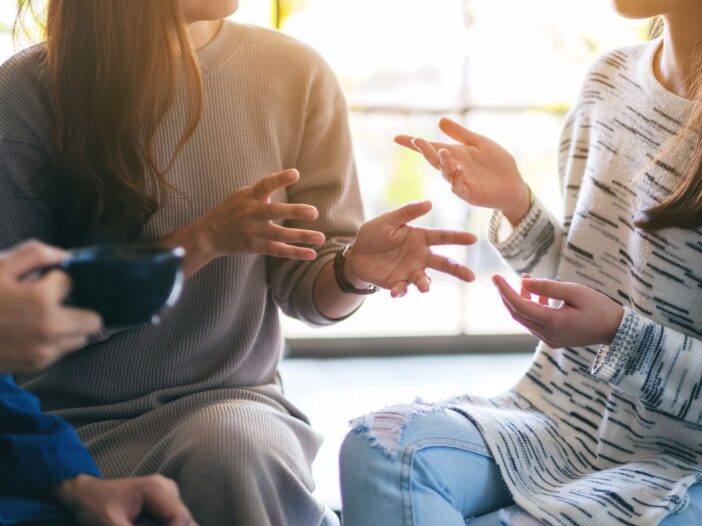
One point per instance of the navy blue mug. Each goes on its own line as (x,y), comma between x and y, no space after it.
(128,285)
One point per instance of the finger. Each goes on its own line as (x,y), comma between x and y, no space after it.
(399,289)
(75,323)
(405,214)
(523,292)
(437,236)
(277,181)
(166,506)
(568,292)
(420,280)
(447,165)
(406,141)
(282,250)
(533,327)
(293,235)
(72,343)
(30,256)
(451,267)
(543,300)
(459,133)
(53,287)
(428,151)
(525,308)
(283,211)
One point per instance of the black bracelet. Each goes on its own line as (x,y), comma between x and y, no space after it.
(342,281)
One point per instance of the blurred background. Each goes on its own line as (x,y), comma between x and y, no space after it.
(508,69)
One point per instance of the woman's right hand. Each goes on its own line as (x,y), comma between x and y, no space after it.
(244,223)
(481,172)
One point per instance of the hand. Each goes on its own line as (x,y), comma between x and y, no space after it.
(121,502)
(35,328)
(244,222)
(584,316)
(480,171)
(391,254)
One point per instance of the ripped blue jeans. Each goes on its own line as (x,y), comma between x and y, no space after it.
(436,471)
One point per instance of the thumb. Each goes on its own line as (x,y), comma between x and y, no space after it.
(549,288)
(30,256)
(403,215)
(459,133)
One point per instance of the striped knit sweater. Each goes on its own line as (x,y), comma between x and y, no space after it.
(611,435)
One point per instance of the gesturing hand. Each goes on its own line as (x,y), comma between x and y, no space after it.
(391,254)
(244,222)
(122,502)
(480,171)
(584,317)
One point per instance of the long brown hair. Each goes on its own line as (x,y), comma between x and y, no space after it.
(113,68)
(683,207)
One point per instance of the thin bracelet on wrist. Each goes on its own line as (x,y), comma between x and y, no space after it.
(340,275)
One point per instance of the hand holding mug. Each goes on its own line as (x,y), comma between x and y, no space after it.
(480,171)
(36,329)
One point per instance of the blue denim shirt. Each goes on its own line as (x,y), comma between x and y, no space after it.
(37,452)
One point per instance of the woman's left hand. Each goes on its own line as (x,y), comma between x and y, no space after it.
(391,254)
(584,317)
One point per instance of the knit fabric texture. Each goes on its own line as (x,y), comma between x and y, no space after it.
(205,380)
(609,435)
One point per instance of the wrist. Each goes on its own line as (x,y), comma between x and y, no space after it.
(351,273)
(514,214)
(69,491)
(195,239)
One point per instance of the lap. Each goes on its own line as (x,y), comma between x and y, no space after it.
(433,463)
(690,516)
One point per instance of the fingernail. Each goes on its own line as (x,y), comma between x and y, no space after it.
(310,213)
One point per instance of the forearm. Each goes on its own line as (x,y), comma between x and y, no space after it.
(330,300)
(656,364)
(534,245)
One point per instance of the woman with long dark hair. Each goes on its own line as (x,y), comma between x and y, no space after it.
(605,427)
(158,122)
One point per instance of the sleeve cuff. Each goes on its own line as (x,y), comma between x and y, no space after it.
(305,306)
(612,361)
(529,240)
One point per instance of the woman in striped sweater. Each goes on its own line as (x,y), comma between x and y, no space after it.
(605,426)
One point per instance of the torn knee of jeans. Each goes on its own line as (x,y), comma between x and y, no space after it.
(385,428)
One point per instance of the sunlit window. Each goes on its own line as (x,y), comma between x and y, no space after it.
(507,68)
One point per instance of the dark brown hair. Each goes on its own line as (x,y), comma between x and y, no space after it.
(113,68)
(683,207)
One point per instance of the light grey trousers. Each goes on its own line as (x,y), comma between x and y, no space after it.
(240,459)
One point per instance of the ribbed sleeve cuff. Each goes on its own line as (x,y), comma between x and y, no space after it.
(529,240)
(613,361)
(305,306)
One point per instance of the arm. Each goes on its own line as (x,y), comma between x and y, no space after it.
(653,363)
(37,451)
(656,364)
(307,289)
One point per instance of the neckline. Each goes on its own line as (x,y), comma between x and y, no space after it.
(653,87)
(222,46)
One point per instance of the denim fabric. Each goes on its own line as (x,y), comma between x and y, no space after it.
(439,472)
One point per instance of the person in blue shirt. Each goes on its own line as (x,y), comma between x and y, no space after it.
(46,474)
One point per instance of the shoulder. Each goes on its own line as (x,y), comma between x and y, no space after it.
(616,68)
(24,103)
(286,56)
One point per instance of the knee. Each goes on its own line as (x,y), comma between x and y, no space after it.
(363,463)
(231,452)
